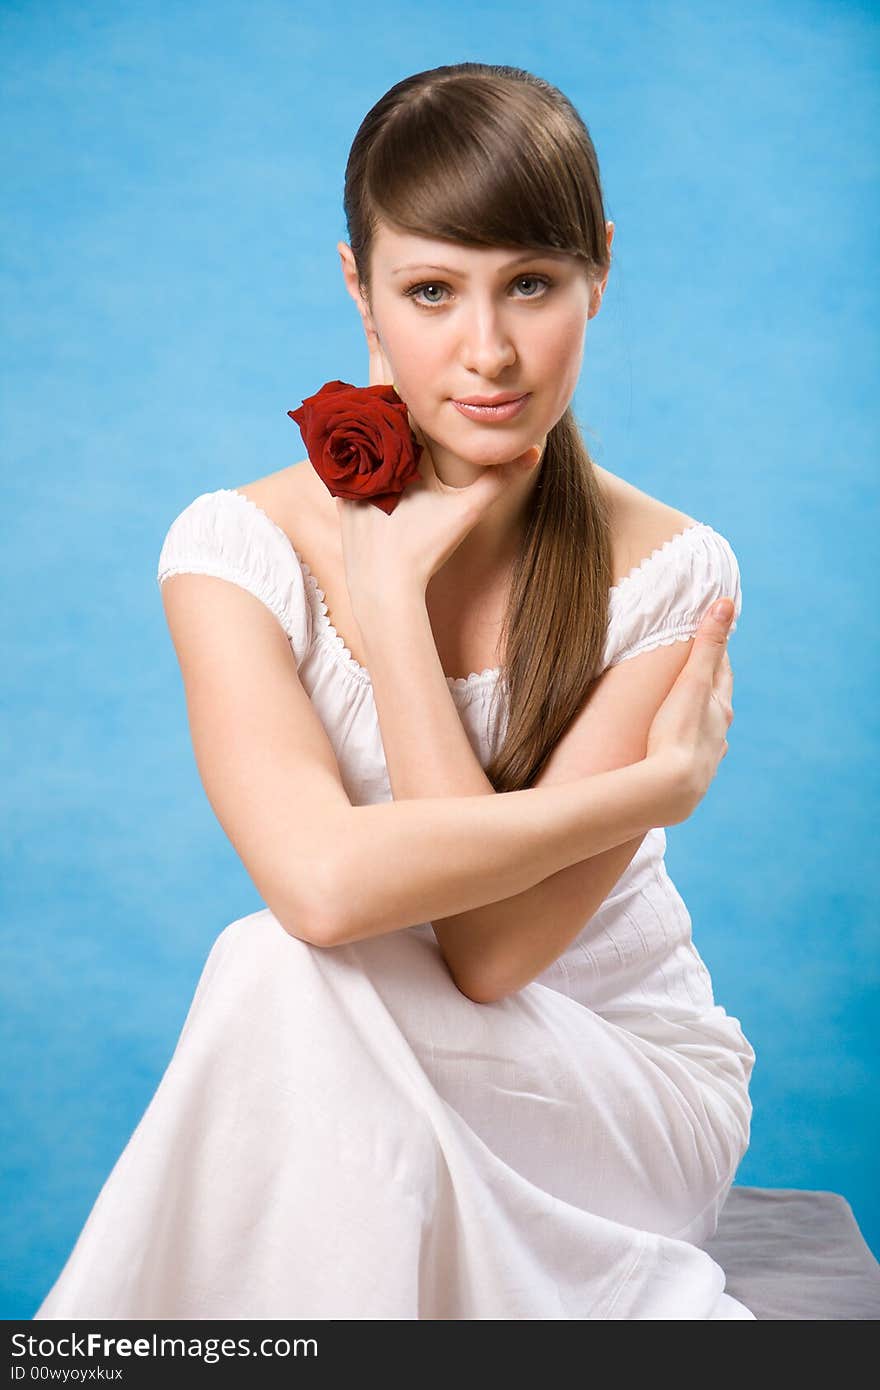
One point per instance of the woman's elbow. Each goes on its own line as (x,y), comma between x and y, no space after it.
(313,910)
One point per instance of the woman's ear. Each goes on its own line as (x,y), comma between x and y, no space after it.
(599,286)
(352,282)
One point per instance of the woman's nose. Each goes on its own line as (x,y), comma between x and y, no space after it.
(487,347)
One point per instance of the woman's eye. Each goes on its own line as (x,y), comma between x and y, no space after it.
(418,289)
(428,285)
(535,280)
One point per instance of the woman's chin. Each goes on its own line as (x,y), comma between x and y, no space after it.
(484,450)
(451,460)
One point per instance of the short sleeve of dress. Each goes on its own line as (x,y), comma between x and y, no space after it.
(225,534)
(665,599)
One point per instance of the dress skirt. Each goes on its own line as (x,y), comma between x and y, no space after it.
(342,1134)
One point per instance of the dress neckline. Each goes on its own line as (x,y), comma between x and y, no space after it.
(475,679)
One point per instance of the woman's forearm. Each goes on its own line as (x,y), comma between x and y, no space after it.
(428,753)
(427,749)
(395,864)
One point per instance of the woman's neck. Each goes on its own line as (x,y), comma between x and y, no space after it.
(490,547)
(486,554)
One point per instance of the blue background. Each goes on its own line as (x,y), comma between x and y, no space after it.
(172,184)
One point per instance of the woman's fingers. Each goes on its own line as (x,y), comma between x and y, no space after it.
(723,687)
(709,660)
(710,644)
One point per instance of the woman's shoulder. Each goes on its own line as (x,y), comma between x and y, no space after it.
(300,506)
(242,535)
(669,568)
(289,498)
(639,523)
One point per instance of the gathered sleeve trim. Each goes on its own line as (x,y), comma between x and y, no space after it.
(665,599)
(224,534)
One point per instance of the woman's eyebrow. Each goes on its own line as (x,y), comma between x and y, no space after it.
(451,270)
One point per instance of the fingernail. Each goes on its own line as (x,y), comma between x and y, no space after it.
(723,610)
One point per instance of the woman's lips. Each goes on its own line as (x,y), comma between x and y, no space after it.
(494,412)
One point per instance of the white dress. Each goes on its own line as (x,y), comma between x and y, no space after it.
(341,1134)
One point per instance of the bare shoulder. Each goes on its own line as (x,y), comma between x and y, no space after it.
(296,501)
(640,523)
(282,494)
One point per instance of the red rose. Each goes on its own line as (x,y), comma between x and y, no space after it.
(359,442)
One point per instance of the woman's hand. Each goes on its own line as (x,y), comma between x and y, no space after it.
(689,730)
(384,553)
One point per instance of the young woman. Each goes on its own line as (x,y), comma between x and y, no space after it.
(467,1063)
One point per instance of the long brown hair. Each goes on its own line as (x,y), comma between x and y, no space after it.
(490,155)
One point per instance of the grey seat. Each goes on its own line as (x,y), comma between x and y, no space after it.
(791,1254)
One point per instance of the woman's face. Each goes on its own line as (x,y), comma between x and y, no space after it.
(456,321)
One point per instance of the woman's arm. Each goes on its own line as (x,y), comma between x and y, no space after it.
(427,750)
(498,948)
(509,949)
(332,872)
(477,850)
(403,862)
